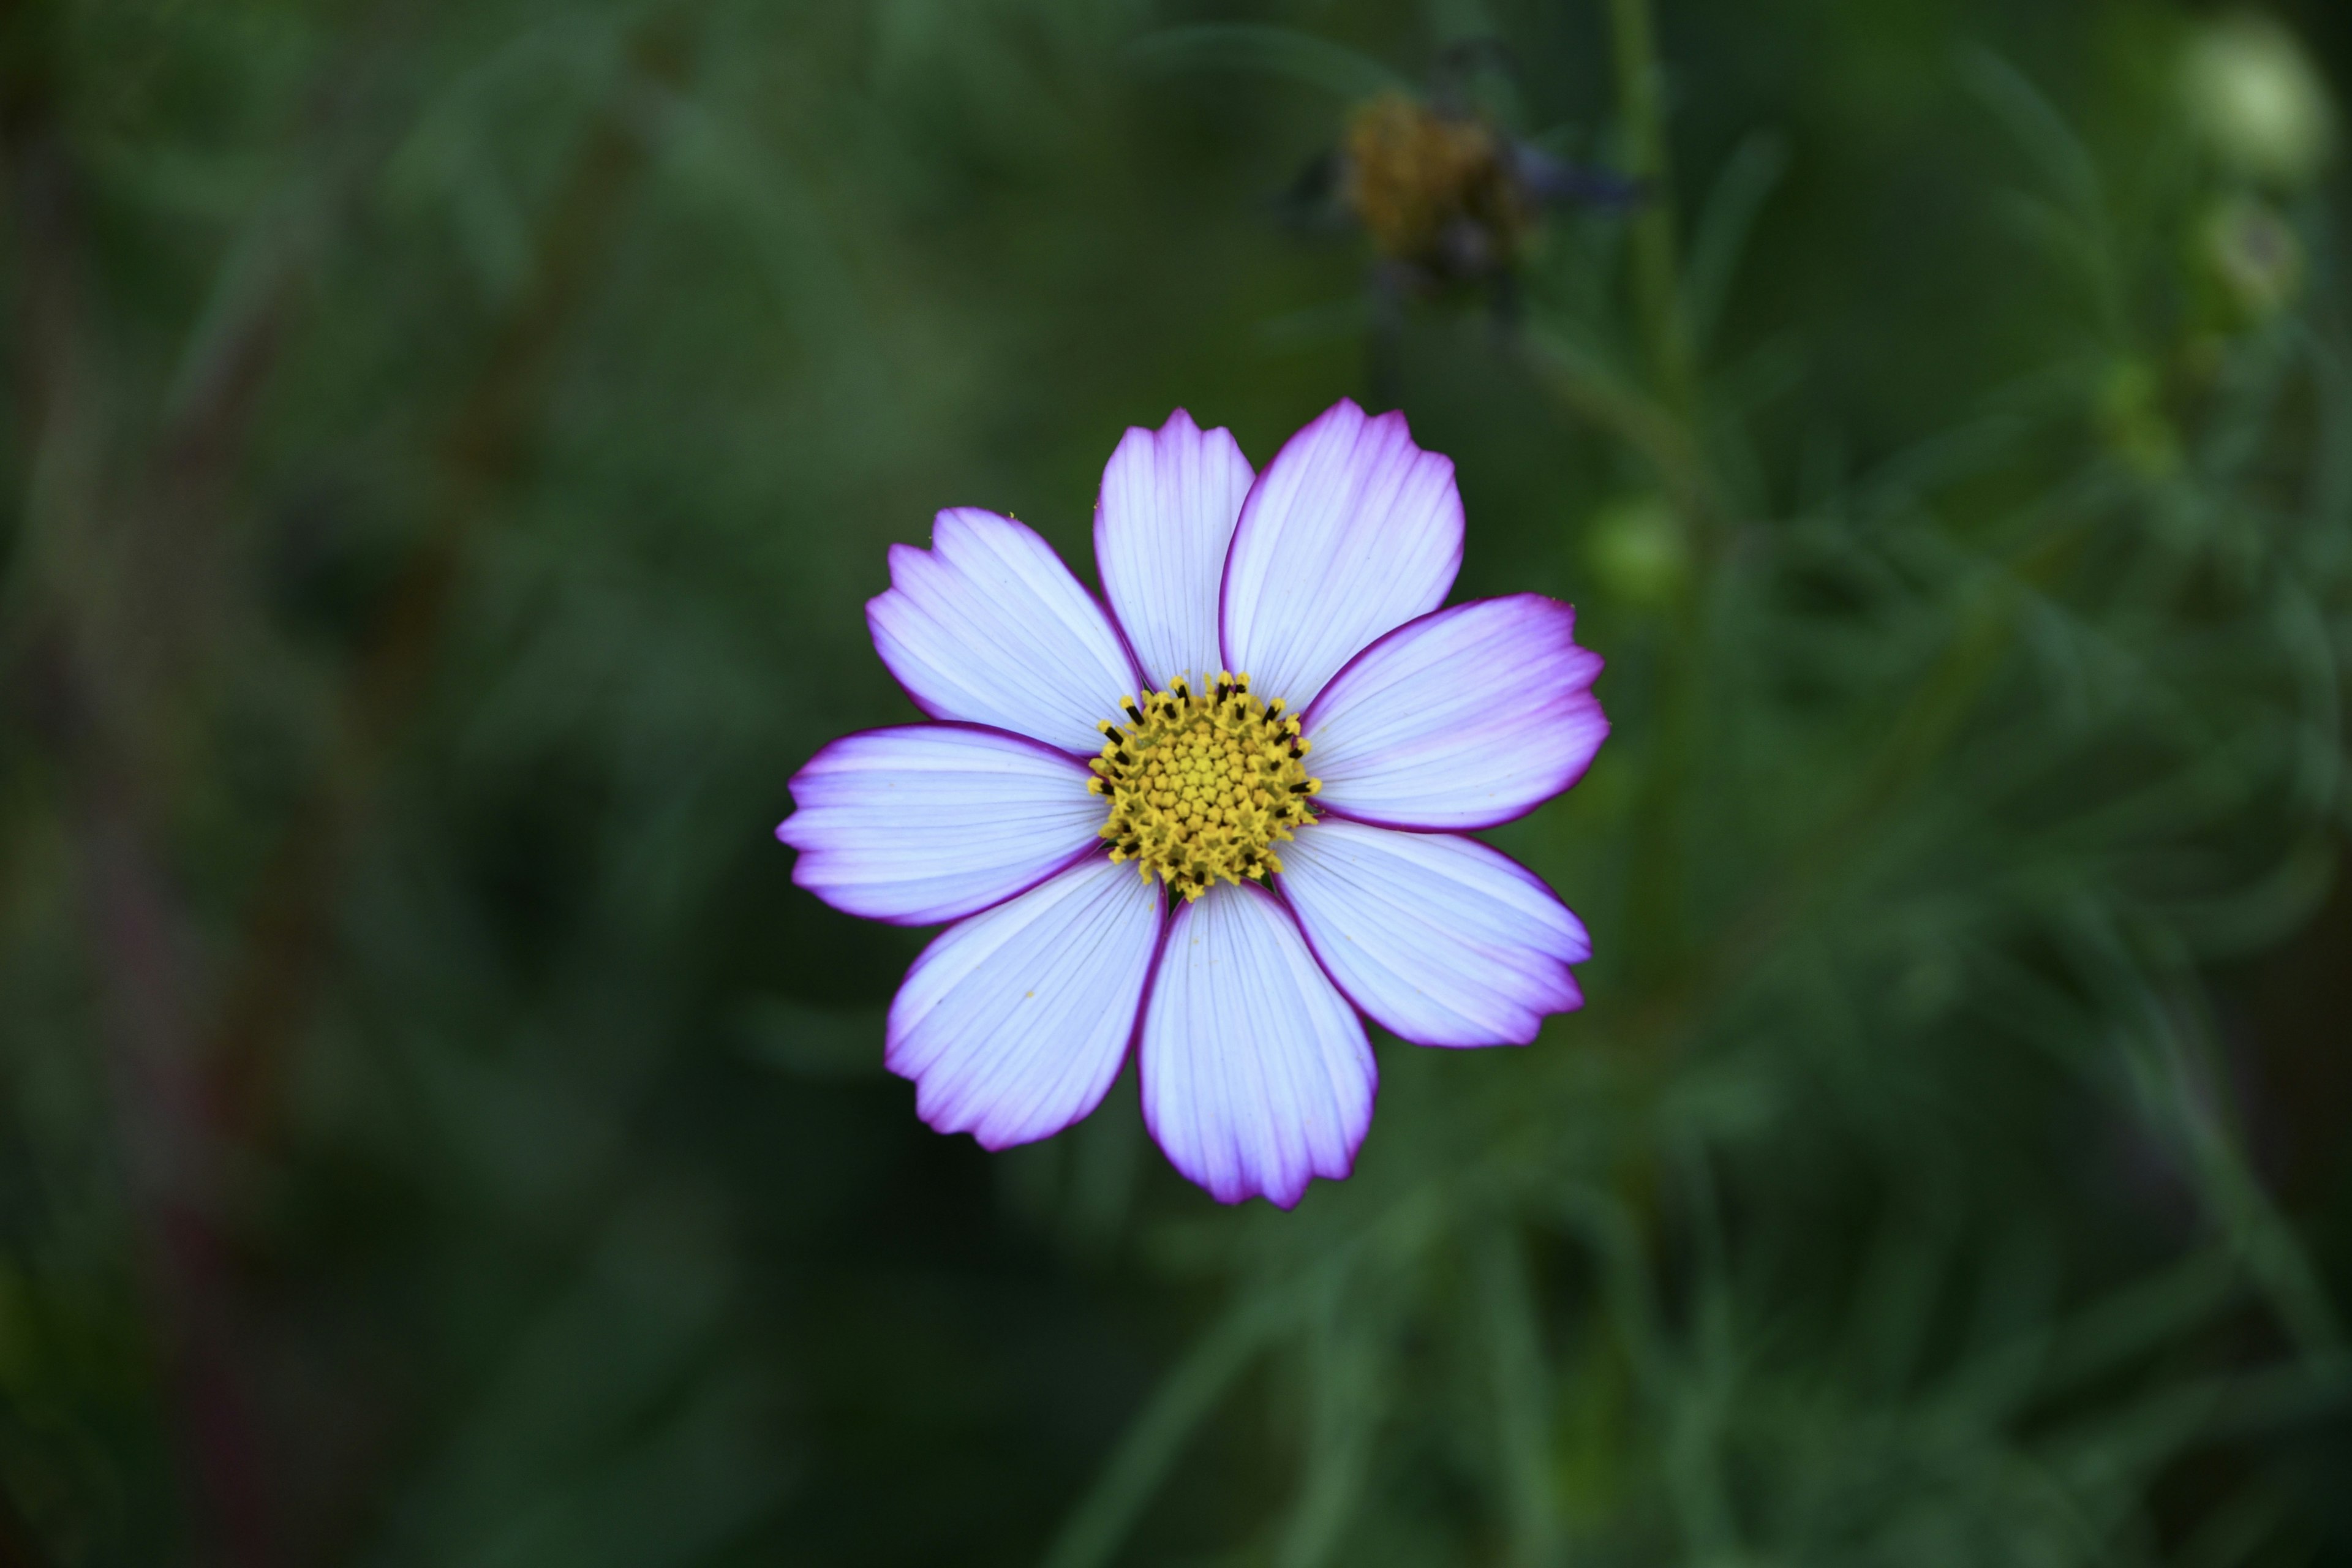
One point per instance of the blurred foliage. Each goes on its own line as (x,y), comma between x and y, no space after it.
(448,447)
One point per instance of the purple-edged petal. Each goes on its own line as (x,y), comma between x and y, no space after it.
(1256,1074)
(1352,529)
(989,626)
(1170,498)
(1012,1024)
(929,823)
(1438,939)
(1464,719)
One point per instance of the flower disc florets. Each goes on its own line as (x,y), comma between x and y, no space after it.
(1203,784)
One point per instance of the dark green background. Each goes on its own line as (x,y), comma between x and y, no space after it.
(448,447)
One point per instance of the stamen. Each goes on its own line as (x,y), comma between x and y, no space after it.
(1205,785)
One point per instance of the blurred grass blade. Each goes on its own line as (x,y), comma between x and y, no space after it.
(2040,131)
(1348,1381)
(1719,241)
(1190,1390)
(1521,1389)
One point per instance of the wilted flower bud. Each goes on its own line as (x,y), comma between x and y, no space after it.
(2258,100)
(1431,189)
(1637,550)
(1447,197)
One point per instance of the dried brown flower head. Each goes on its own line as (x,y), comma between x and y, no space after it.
(1434,189)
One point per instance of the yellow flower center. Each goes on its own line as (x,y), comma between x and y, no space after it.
(1203,784)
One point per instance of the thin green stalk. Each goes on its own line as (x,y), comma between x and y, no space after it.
(1655,932)
(1658,291)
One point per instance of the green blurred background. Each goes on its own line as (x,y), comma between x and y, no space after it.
(446,449)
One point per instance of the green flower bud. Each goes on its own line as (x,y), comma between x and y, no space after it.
(2257,99)
(2251,256)
(2132,421)
(1637,550)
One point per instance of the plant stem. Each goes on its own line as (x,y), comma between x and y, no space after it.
(1641,105)
(1655,934)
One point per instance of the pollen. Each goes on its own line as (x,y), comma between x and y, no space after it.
(1203,784)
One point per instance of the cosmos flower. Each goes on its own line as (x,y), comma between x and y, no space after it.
(1219,821)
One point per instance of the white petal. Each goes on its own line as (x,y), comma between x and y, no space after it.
(1012,1024)
(989,627)
(1350,531)
(1170,498)
(1464,719)
(929,823)
(1439,939)
(1256,1074)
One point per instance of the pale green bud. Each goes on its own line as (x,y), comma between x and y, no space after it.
(2132,422)
(2253,253)
(1636,548)
(2257,99)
